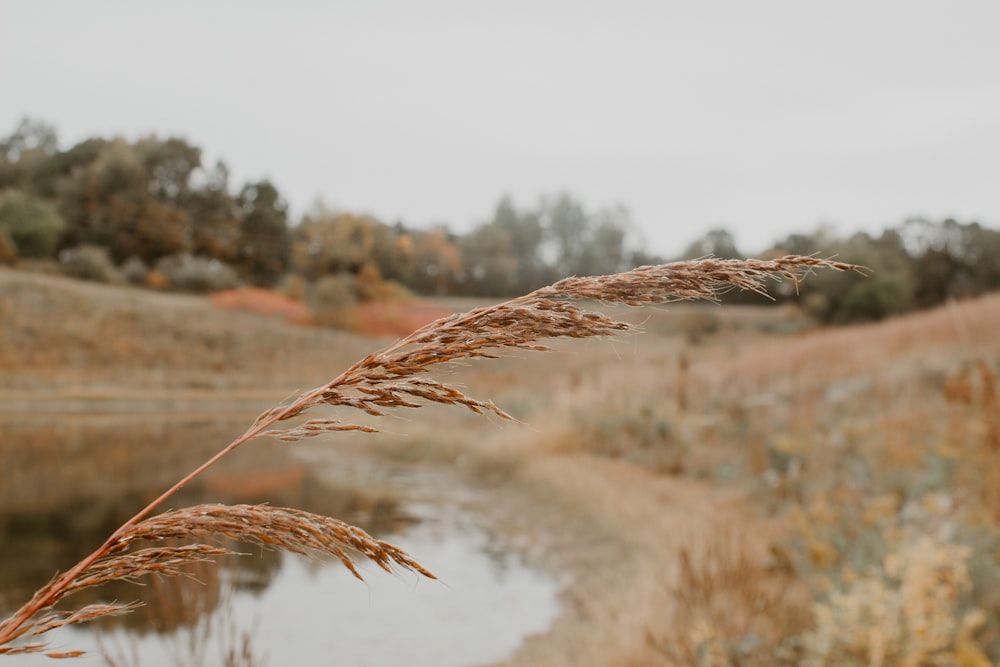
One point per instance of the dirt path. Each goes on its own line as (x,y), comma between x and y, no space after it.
(616,535)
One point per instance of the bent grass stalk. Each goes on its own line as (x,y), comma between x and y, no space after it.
(396,377)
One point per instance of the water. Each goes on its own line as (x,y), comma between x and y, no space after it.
(77,478)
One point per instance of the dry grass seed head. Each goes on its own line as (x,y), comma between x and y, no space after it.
(395,377)
(286,528)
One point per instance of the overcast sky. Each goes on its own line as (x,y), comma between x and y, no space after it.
(762,117)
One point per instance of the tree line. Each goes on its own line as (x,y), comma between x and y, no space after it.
(150,200)
(917,264)
(149,211)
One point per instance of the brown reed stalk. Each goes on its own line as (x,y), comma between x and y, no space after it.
(396,377)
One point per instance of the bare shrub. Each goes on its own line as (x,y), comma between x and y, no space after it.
(135,272)
(732,608)
(190,273)
(331,299)
(89,262)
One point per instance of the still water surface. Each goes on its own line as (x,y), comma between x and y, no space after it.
(69,481)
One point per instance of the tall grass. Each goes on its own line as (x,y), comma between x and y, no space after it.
(399,376)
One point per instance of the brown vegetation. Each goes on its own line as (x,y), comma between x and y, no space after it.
(393,378)
(759,498)
(262,302)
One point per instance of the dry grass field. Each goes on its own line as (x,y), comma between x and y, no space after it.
(730,487)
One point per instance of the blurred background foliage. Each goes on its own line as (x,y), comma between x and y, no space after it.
(150,213)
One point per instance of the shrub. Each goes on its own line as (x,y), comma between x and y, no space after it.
(908,611)
(874,299)
(89,262)
(369,285)
(189,273)
(31,224)
(135,271)
(331,300)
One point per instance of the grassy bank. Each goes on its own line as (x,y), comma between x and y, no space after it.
(74,336)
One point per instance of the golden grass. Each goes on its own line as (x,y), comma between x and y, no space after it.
(877,445)
(83,340)
(875,457)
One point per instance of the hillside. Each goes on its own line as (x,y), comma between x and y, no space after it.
(68,335)
(757,496)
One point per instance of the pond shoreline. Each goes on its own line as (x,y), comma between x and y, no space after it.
(22,404)
(359,484)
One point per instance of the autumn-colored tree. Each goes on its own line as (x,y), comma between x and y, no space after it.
(327,242)
(438,261)
(109,203)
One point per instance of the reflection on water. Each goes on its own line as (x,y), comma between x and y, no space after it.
(68,482)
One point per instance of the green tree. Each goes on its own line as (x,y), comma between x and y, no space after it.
(489,261)
(874,299)
(33,226)
(169,165)
(525,235)
(819,241)
(717,242)
(583,243)
(264,237)
(951,259)
(31,144)
(984,257)
(45,178)
(855,298)
(604,251)
(520,250)
(566,228)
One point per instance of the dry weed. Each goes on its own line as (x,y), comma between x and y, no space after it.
(731,608)
(907,612)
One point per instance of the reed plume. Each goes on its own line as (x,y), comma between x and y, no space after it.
(397,377)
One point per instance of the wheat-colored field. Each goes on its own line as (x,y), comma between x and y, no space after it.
(729,487)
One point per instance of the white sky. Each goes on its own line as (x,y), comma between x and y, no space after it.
(763,117)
